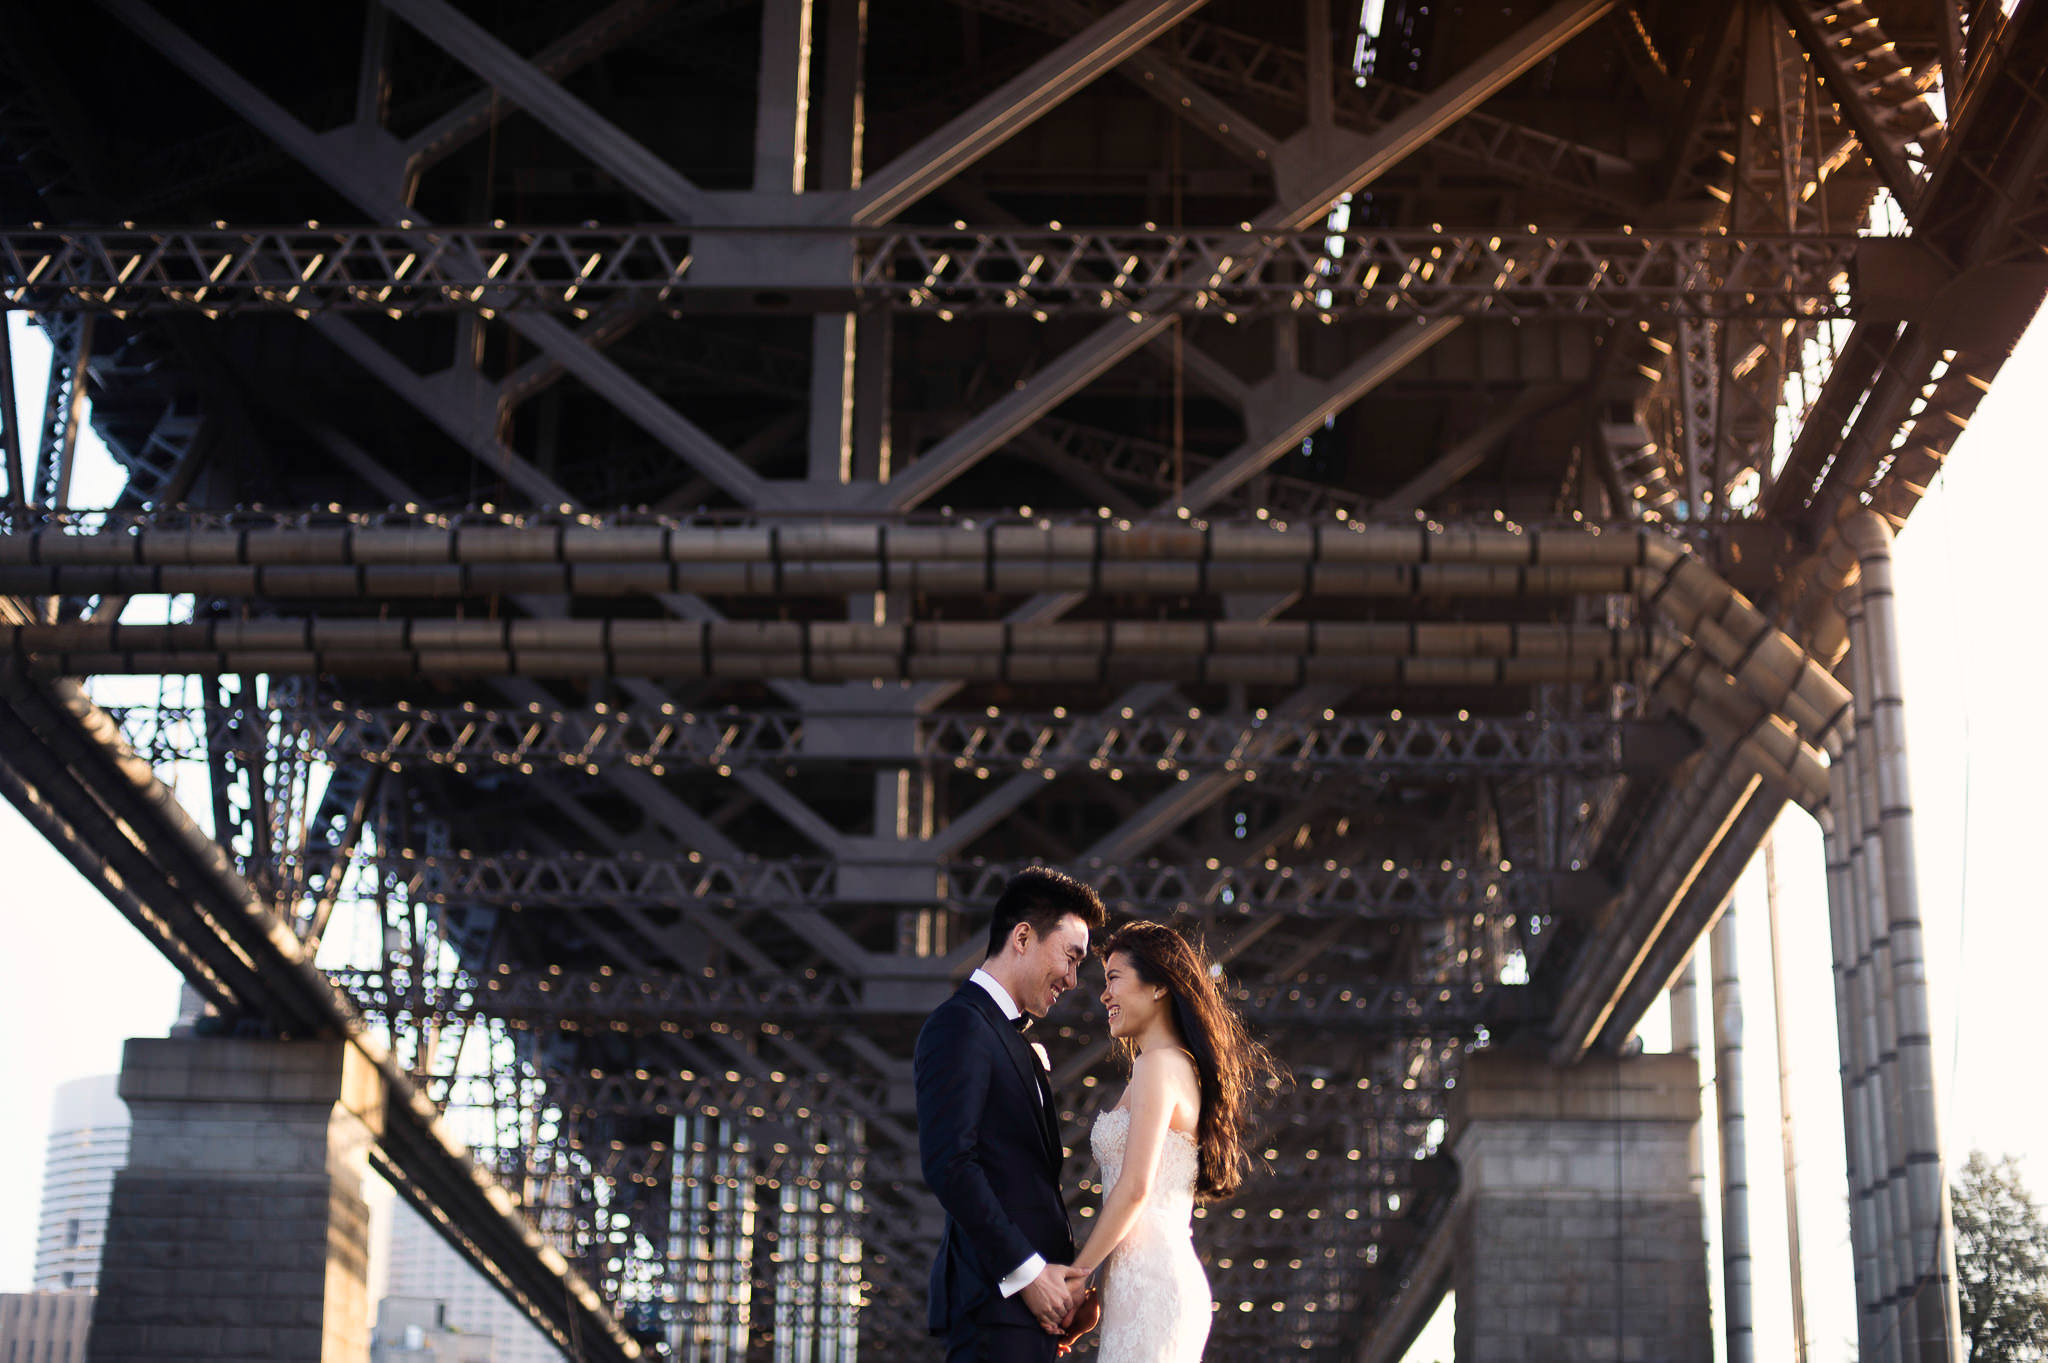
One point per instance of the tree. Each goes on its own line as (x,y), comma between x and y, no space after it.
(2001,1263)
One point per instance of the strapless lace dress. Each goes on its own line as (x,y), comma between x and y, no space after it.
(1155,1297)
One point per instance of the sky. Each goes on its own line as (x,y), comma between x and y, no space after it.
(75,979)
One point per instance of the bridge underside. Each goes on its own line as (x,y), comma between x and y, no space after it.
(639,515)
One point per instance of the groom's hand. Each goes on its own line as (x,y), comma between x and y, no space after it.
(1077,1289)
(1049,1297)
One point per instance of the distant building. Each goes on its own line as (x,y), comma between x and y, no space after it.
(88,1143)
(194,1012)
(416,1330)
(44,1327)
(421,1266)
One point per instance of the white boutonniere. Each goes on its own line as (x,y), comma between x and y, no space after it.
(1044,1060)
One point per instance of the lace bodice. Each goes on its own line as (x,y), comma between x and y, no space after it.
(1173,1185)
(1155,1297)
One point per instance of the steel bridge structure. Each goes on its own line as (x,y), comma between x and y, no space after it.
(640,513)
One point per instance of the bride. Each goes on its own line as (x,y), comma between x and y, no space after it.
(1177,1136)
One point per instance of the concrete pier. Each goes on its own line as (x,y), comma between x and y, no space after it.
(238,1231)
(1578,1235)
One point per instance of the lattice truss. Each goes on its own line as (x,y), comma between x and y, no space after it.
(696,1142)
(515,323)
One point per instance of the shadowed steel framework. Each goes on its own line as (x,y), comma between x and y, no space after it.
(641,514)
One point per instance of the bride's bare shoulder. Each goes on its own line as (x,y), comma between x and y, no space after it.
(1167,1063)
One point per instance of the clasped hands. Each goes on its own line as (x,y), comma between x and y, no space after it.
(1063,1303)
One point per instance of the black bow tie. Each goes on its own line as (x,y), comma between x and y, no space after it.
(1022,1022)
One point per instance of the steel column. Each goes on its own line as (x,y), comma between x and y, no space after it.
(10,422)
(782,106)
(1736,1267)
(63,413)
(1929,1290)
(1781,1026)
(1873,1025)
(1685,1040)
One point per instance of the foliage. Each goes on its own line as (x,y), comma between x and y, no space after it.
(2001,1263)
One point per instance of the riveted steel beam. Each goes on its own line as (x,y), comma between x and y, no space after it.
(942,272)
(1152,888)
(482,736)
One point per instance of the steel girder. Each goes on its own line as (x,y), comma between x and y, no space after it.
(588,1181)
(947,272)
(1877,90)
(611,1001)
(70,777)
(1889,413)
(483,737)
(1150,889)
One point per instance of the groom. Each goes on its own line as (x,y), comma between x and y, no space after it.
(988,1130)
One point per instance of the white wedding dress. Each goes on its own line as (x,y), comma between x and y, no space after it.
(1155,1297)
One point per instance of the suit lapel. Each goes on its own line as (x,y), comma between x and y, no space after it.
(1048,1119)
(1028,1069)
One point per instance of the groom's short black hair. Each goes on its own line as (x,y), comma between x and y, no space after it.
(1041,896)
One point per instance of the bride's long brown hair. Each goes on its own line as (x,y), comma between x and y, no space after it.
(1232,1067)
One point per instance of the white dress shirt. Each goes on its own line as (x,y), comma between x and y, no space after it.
(1018,1278)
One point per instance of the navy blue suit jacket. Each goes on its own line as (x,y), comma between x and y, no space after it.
(991,1152)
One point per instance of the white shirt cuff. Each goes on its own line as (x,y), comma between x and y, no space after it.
(1021,1276)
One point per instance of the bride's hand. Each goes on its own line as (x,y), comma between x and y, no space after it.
(1084,1317)
(1077,1285)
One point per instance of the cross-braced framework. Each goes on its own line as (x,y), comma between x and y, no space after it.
(950,271)
(641,515)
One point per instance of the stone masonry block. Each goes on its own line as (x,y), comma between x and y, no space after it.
(1576,1236)
(238,1233)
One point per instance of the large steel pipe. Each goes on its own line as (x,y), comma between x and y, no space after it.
(454,581)
(1863,1081)
(1728,628)
(1736,1264)
(1867,863)
(896,545)
(1928,1308)
(1685,1041)
(1284,653)
(428,558)
(1735,721)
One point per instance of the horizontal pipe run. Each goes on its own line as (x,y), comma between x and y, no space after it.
(455,581)
(895,544)
(710,640)
(425,559)
(964,667)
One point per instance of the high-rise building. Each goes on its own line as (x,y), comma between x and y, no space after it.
(88,1143)
(44,1327)
(420,1264)
(414,1330)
